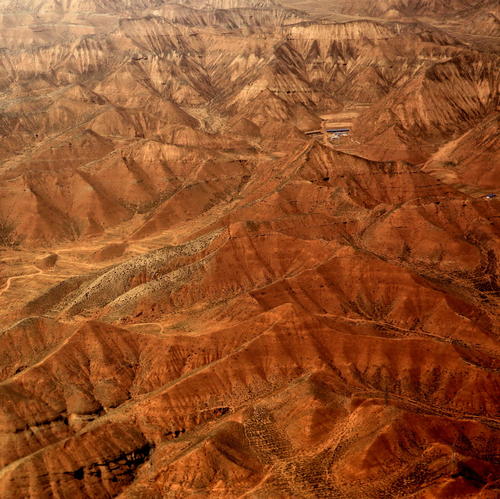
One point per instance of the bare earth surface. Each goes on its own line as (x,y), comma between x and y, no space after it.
(199,298)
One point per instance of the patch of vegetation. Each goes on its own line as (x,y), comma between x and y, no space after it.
(8,235)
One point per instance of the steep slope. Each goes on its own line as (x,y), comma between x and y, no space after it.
(472,158)
(204,293)
(437,9)
(442,102)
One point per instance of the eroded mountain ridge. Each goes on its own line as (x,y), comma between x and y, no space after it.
(205,293)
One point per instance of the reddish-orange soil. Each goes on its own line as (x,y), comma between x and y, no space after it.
(200,299)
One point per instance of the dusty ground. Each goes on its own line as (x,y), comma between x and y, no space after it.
(199,300)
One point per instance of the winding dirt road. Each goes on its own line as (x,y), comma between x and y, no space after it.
(7,284)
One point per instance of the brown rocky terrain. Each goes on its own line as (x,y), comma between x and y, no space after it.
(204,294)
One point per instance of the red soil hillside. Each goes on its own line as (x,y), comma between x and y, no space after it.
(204,293)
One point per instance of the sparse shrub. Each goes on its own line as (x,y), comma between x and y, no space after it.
(8,234)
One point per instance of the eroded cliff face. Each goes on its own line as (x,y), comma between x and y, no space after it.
(200,299)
